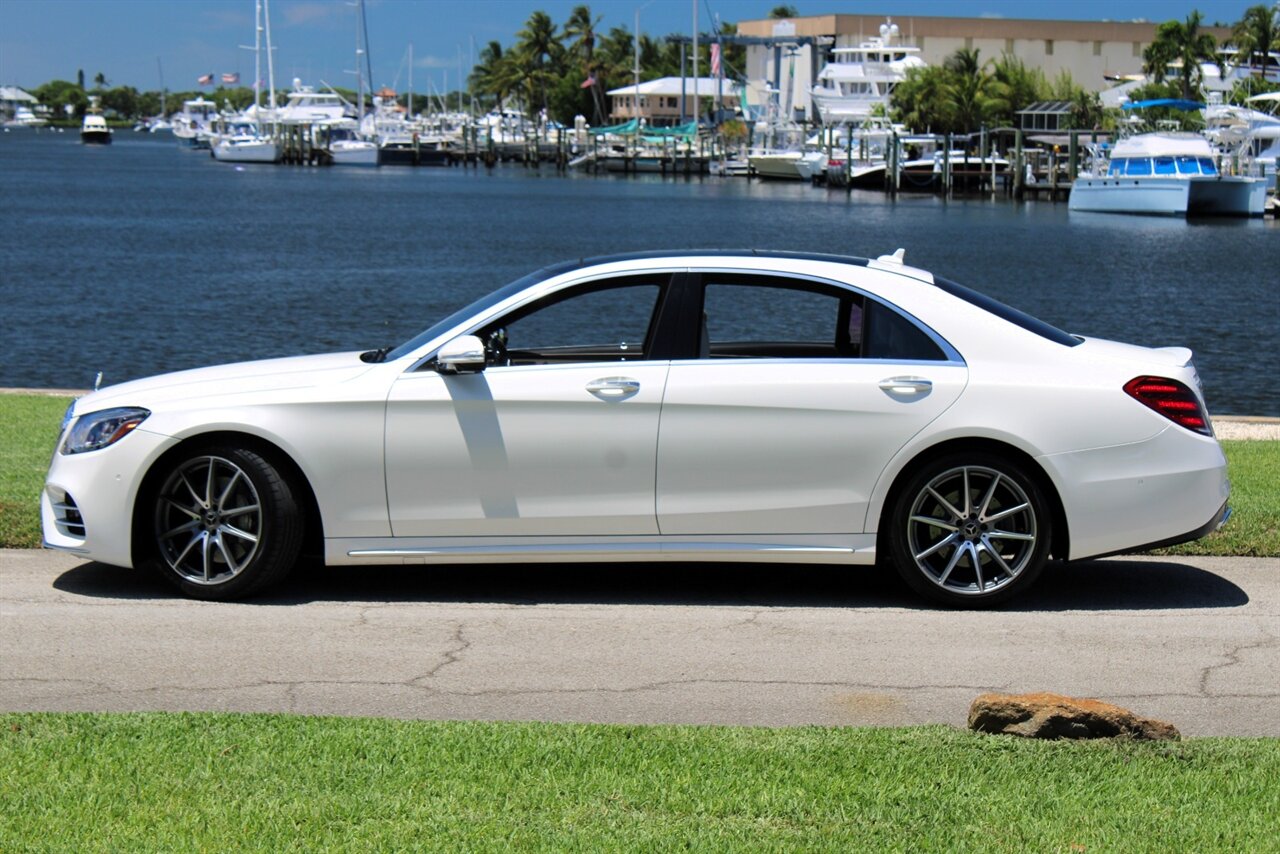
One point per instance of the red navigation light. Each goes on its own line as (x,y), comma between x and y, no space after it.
(1171,399)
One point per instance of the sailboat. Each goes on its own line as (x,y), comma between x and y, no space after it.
(346,145)
(248,139)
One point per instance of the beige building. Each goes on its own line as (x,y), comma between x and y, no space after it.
(1091,51)
(659,101)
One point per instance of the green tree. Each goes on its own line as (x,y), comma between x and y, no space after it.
(580,30)
(1014,87)
(123,100)
(921,101)
(99,81)
(1255,35)
(538,55)
(784,11)
(1184,44)
(971,89)
(56,94)
(495,75)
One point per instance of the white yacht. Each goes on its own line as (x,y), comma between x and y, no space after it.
(191,125)
(307,106)
(94,130)
(23,117)
(861,78)
(348,148)
(246,142)
(1166,173)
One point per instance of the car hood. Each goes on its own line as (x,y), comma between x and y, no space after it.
(240,377)
(1169,357)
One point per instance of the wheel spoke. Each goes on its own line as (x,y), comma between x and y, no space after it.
(204,548)
(968,501)
(195,496)
(226,490)
(226,555)
(977,566)
(938,546)
(935,523)
(1004,514)
(236,532)
(951,564)
(181,529)
(997,559)
(208,484)
(986,499)
(240,511)
(1011,535)
(186,551)
(946,505)
(184,510)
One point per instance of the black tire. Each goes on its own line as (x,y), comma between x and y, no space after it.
(974,553)
(225,523)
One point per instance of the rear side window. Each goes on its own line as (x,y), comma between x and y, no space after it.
(1005,312)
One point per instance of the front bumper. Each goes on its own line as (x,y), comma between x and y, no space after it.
(102,486)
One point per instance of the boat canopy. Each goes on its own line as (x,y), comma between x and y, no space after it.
(624,129)
(1171,103)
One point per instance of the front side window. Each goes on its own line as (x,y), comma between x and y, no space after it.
(607,321)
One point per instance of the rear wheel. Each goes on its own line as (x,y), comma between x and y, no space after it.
(970,530)
(227,523)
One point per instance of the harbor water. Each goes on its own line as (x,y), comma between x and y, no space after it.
(138,257)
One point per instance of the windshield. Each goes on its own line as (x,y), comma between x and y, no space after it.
(477,307)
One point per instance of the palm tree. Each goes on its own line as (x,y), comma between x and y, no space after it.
(1184,44)
(1256,35)
(581,29)
(495,74)
(537,53)
(970,87)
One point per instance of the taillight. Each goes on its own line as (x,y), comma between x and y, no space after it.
(1171,399)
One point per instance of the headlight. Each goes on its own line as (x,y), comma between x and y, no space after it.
(97,430)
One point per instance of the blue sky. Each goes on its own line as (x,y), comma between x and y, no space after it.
(42,40)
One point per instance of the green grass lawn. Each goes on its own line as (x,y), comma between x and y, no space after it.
(29,425)
(218,782)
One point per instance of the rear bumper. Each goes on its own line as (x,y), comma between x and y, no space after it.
(1219,519)
(1130,497)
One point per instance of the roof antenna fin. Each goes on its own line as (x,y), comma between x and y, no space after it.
(895,258)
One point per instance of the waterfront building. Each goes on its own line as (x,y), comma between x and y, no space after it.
(1093,52)
(670,100)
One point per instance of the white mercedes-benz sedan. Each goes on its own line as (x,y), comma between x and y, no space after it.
(704,406)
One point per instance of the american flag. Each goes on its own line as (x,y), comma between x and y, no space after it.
(231,78)
(715,59)
(205,79)
(588,83)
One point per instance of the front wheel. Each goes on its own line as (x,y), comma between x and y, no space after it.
(969,530)
(226,523)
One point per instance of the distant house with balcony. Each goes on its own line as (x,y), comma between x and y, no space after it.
(669,101)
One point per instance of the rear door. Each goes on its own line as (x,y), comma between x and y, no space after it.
(802,393)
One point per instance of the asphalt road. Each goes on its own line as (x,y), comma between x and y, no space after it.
(1194,641)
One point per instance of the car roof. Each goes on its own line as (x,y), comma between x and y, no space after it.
(654,254)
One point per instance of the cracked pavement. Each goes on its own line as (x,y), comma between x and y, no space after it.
(1194,641)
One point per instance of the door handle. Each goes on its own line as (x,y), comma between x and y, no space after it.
(906,386)
(613,388)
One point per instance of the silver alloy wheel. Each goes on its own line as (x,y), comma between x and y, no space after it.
(972,530)
(208,520)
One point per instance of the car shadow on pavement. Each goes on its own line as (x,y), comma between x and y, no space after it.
(1110,585)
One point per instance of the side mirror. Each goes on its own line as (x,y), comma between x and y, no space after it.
(462,355)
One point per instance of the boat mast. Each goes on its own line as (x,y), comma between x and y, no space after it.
(257,58)
(361,41)
(163,112)
(408,105)
(271,68)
